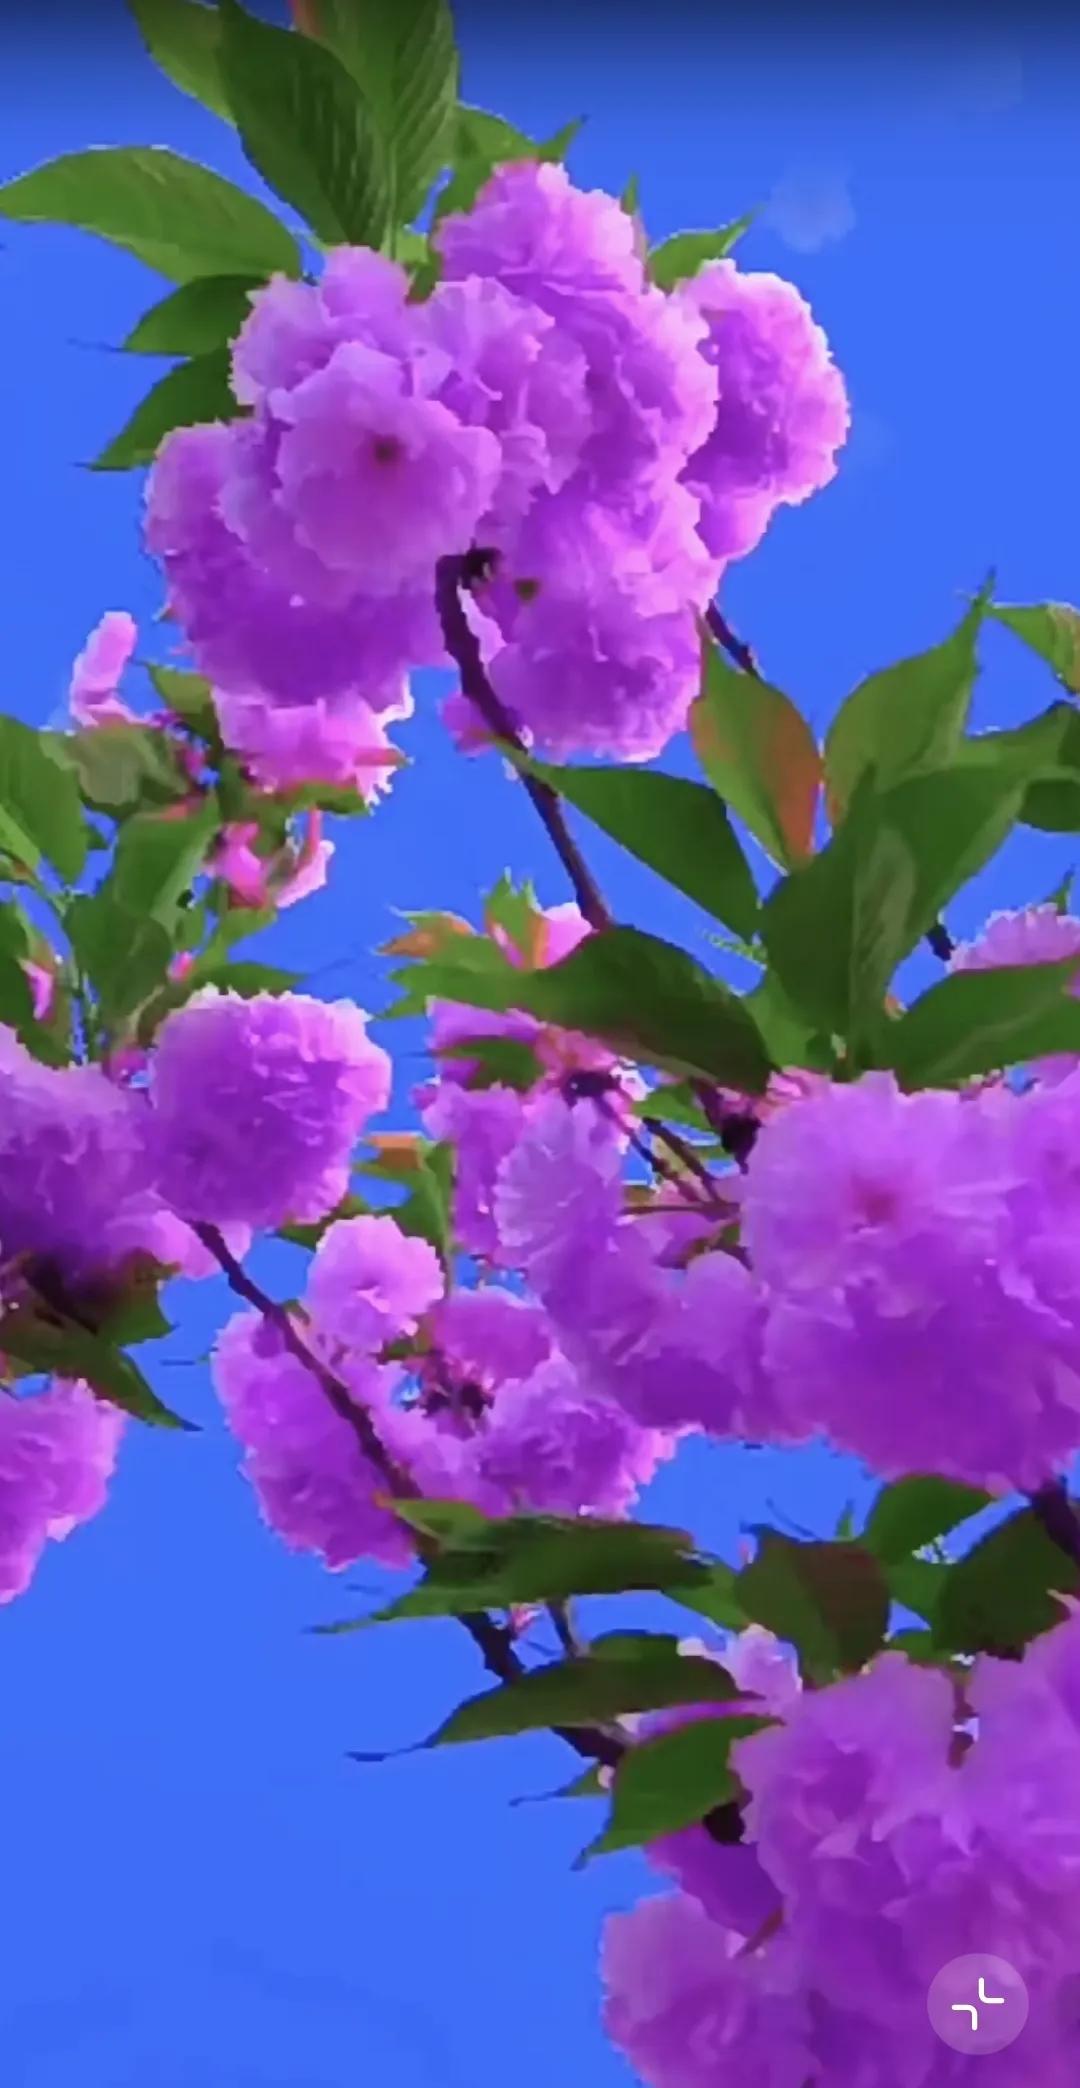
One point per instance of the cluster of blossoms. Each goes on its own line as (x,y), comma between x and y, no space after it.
(895,1821)
(907,1280)
(607,445)
(483,1409)
(246,1118)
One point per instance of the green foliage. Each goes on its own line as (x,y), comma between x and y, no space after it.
(182,37)
(306,128)
(502,1062)
(176,216)
(1050,629)
(836,929)
(594,1686)
(199,316)
(483,142)
(831,1601)
(909,717)
(74,1351)
(673,1781)
(760,754)
(427,1170)
(404,58)
(678,828)
(984,1021)
(40,812)
(717,1597)
(1004,1591)
(640,995)
(157,857)
(123,768)
(912,1513)
(124,953)
(189,696)
(537,1558)
(192,393)
(687,252)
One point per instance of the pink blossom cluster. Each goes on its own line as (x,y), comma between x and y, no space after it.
(484,1409)
(607,446)
(896,1820)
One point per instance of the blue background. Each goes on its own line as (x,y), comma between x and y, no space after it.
(198,1887)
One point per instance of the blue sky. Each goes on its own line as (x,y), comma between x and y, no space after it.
(199,1887)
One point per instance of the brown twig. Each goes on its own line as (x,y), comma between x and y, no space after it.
(733,646)
(451,578)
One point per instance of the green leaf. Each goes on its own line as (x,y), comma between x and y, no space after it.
(760,754)
(157,858)
(917,1584)
(915,1512)
(205,314)
(122,767)
(176,216)
(630,200)
(193,393)
(502,1062)
(642,996)
(483,142)
(404,58)
(540,1558)
(182,37)
(677,1104)
(985,1021)
(1051,629)
(72,1351)
(306,128)
(588,1785)
(836,928)
(717,1598)
(672,1782)
(456,1523)
(425,1213)
(831,1601)
(683,255)
(39,800)
(124,953)
(680,829)
(910,716)
(579,1692)
(189,696)
(1004,1591)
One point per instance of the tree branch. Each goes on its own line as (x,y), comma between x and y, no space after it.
(733,646)
(451,577)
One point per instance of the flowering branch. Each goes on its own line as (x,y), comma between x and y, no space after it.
(492,1640)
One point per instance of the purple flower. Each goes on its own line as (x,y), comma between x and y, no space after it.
(286,745)
(77,1186)
(370,1283)
(258,1105)
(782,410)
(315,1486)
(57,1454)
(533,230)
(923,1298)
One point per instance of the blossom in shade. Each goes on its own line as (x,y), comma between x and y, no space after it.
(57,1454)
(77,1184)
(99,670)
(257,1105)
(1032,935)
(782,410)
